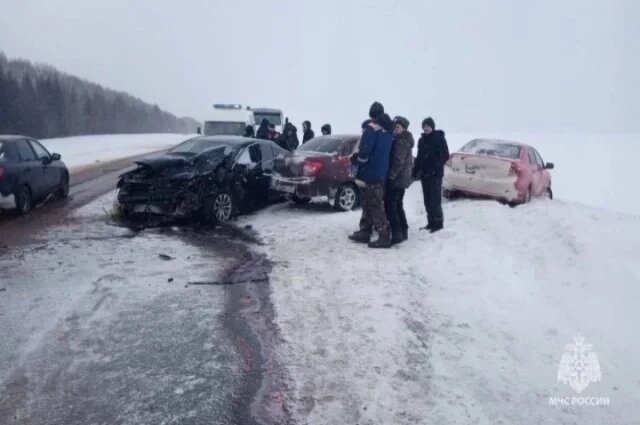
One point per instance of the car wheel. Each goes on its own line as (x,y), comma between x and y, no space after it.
(300,200)
(549,193)
(346,198)
(220,207)
(63,190)
(24,202)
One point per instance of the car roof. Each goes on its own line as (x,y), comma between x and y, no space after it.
(239,140)
(11,137)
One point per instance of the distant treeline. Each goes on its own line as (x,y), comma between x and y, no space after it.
(40,101)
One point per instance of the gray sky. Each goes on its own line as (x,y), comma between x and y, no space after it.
(474,65)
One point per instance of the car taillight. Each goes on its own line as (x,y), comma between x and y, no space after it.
(311,168)
(514,170)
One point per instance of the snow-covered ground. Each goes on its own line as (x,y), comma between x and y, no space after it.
(466,326)
(593,169)
(81,151)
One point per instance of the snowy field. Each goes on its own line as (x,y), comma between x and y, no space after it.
(81,151)
(467,326)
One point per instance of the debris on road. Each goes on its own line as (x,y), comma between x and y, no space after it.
(165,257)
(3,289)
(170,280)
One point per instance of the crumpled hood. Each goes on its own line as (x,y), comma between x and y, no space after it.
(164,161)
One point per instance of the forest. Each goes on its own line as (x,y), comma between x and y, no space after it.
(39,101)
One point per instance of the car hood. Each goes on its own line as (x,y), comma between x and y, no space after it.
(164,161)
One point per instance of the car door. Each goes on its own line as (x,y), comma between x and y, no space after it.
(544,178)
(50,173)
(268,159)
(30,168)
(534,172)
(250,162)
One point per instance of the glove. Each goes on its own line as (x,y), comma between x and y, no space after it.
(354,159)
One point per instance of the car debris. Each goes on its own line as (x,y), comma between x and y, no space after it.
(165,257)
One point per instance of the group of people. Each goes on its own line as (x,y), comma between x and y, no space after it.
(288,139)
(386,168)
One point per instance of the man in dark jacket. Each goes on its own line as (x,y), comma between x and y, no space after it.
(326,130)
(307,133)
(399,179)
(289,138)
(433,153)
(373,167)
(249,132)
(263,130)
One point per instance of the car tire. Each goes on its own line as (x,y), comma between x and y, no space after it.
(300,200)
(347,198)
(219,207)
(24,201)
(63,190)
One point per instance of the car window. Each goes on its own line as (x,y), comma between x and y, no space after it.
(25,152)
(322,144)
(348,147)
(250,156)
(41,152)
(538,158)
(267,156)
(255,153)
(532,157)
(492,148)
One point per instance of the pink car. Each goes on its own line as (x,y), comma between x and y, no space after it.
(507,171)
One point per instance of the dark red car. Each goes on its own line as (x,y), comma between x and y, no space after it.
(320,168)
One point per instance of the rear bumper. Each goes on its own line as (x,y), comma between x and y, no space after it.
(304,187)
(499,188)
(7,202)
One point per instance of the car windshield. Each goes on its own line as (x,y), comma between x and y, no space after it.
(322,144)
(216,128)
(197,146)
(275,119)
(492,148)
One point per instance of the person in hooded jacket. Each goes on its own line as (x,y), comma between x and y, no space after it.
(326,130)
(373,166)
(249,132)
(307,133)
(433,153)
(399,179)
(263,130)
(289,138)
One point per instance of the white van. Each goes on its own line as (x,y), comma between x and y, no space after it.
(273,115)
(228,120)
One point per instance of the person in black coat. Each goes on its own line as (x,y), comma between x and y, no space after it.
(263,130)
(326,130)
(433,153)
(307,133)
(249,132)
(399,179)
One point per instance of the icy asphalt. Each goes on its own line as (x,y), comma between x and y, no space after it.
(102,323)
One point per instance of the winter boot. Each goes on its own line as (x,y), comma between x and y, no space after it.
(384,241)
(436,227)
(405,233)
(361,236)
(397,236)
(427,227)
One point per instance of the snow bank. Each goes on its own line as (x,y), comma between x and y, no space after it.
(82,151)
(593,169)
(466,326)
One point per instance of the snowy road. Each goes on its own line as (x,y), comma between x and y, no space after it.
(102,324)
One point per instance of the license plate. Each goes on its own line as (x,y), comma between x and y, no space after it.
(285,187)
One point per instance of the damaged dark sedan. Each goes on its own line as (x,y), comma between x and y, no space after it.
(212,177)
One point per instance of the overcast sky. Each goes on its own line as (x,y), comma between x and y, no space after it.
(474,65)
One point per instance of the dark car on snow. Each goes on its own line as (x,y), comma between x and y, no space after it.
(29,173)
(319,168)
(214,177)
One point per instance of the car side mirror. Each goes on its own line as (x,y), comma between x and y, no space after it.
(56,156)
(46,160)
(549,166)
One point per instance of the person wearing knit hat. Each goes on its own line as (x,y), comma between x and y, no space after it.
(433,153)
(399,179)
(373,166)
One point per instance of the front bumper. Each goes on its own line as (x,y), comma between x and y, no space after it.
(498,188)
(7,202)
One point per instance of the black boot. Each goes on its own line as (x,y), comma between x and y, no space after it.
(405,233)
(384,241)
(361,236)
(429,226)
(436,227)
(397,236)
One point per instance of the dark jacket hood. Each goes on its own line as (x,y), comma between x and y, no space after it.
(435,134)
(385,122)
